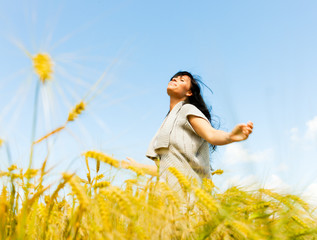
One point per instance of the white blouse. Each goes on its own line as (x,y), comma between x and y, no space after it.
(176,144)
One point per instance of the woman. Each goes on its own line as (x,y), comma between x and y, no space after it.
(182,140)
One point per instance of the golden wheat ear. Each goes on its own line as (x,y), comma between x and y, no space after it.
(99,156)
(183,181)
(73,114)
(43,66)
(218,172)
(76,111)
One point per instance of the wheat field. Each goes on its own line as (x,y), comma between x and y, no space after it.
(144,207)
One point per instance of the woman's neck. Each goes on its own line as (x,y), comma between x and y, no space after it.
(174,101)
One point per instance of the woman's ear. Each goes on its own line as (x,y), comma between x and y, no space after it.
(189,93)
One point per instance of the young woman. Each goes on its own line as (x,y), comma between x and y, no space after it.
(184,137)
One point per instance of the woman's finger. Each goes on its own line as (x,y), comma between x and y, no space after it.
(124,164)
(249,129)
(250,124)
(130,159)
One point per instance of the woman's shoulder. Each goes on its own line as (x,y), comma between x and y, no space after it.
(190,109)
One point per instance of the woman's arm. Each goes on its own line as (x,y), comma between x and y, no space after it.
(147,169)
(217,137)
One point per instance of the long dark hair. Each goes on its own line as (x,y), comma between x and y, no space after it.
(196,98)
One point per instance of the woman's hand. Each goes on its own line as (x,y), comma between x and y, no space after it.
(218,137)
(148,169)
(130,163)
(241,132)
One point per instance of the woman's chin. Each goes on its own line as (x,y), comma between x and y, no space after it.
(171,92)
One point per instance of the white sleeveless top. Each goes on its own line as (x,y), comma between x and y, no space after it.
(177,145)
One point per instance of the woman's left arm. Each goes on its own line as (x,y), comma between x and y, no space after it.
(218,137)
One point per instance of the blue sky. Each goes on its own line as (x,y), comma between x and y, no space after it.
(257,57)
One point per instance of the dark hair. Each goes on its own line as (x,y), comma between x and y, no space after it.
(196,98)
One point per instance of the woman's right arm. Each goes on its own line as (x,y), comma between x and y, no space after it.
(147,169)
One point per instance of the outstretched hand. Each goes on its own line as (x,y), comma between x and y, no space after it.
(241,132)
(130,163)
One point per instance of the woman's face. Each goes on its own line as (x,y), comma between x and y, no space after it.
(179,87)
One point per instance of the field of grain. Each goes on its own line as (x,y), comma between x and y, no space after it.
(143,207)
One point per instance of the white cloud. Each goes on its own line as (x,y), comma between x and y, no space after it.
(251,182)
(294,134)
(311,132)
(247,181)
(283,167)
(237,153)
(276,183)
(309,135)
(310,194)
